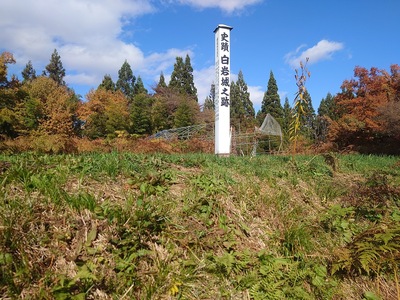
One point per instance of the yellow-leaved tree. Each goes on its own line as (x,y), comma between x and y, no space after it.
(104,113)
(49,107)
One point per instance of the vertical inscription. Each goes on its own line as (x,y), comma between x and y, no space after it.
(222,89)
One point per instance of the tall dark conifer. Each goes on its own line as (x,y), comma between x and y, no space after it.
(28,73)
(107,83)
(182,78)
(177,80)
(184,115)
(309,118)
(271,102)
(327,107)
(55,69)
(161,82)
(189,82)
(287,117)
(126,80)
(209,102)
(140,115)
(139,87)
(242,110)
(327,112)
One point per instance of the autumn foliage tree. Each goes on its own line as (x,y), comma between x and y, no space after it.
(390,112)
(104,113)
(172,108)
(8,97)
(40,109)
(49,108)
(365,109)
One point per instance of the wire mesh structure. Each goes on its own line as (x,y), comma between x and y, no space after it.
(270,126)
(265,139)
(270,131)
(201,131)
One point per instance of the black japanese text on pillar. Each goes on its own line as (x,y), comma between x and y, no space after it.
(222,90)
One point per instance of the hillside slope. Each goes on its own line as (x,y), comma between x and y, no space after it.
(195,226)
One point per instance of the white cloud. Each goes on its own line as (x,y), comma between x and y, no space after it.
(225,5)
(87,35)
(202,80)
(157,62)
(83,79)
(256,96)
(323,50)
(70,21)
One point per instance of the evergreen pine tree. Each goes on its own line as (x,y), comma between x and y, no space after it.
(309,118)
(141,114)
(177,80)
(184,115)
(55,69)
(271,102)
(242,110)
(107,83)
(189,82)
(182,78)
(326,113)
(237,109)
(126,80)
(161,82)
(141,109)
(327,107)
(28,73)
(287,117)
(209,102)
(139,87)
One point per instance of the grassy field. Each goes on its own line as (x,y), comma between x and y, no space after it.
(195,226)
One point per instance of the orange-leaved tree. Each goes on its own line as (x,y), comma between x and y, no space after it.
(49,108)
(360,105)
(104,113)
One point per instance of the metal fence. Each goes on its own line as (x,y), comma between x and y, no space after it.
(251,143)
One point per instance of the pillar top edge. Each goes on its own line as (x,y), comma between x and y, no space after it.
(223,26)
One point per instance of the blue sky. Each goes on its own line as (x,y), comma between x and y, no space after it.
(95,37)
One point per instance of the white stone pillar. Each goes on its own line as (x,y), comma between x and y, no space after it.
(222,90)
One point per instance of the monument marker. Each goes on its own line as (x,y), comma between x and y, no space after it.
(222,90)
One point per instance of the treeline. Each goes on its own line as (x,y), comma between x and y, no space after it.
(43,109)
(45,105)
(363,117)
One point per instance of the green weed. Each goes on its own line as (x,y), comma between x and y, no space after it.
(196,226)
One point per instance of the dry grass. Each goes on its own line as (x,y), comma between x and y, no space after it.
(194,226)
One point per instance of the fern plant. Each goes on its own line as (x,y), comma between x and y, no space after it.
(284,278)
(374,252)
